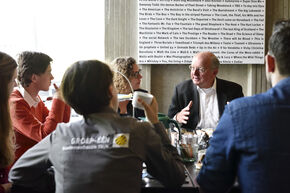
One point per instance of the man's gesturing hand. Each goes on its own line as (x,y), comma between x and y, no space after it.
(182,116)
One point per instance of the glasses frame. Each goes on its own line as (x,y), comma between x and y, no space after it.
(136,74)
(199,69)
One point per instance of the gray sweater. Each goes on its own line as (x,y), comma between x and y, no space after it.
(103,154)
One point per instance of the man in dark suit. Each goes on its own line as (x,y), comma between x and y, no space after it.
(200,101)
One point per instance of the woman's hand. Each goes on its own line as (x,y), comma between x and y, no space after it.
(151,110)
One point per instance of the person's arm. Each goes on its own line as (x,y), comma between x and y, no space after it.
(174,107)
(67,110)
(31,170)
(219,165)
(66,115)
(162,160)
(239,91)
(5,188)
(177,110)
(27,124)
(58,112)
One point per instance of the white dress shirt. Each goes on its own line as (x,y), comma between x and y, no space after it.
(209,112)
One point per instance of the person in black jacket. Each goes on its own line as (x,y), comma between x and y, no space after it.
(129,68)
(200,101)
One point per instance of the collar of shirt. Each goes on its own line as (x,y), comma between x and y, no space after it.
(207,91)
(27,97)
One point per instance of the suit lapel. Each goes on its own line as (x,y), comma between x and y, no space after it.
(221,97)
(195,101)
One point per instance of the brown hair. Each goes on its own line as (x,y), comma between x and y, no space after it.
(7,67)
(31,63)
(279,46)
(85,86)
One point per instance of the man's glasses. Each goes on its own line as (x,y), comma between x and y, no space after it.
(136,74)
(199,69)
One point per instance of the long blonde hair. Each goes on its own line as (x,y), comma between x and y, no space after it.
(7,68)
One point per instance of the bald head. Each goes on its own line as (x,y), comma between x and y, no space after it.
(208,58)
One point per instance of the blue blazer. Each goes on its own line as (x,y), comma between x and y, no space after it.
(251,143)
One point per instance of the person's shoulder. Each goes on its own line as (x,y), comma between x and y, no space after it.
(227,83)
(250,101)
(141,90)
(281,88)
(134,124)
(280,93)
(185,83)
(16,99)
(16,95)
(73,126)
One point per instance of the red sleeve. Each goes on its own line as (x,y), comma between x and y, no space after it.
(45,110)
(28,121)
(66,115)
(2,190)
(3,178)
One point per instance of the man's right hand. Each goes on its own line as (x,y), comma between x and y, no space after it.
(182,116)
